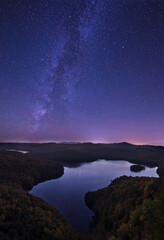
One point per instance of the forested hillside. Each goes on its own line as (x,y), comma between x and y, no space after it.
(129,209)
(23,216)
(27,170)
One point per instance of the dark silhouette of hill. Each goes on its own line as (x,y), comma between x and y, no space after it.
(84,152)
(130,208)
(27,170)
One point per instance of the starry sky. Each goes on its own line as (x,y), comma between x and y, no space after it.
(86,70)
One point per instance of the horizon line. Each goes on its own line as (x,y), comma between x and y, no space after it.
(78,142)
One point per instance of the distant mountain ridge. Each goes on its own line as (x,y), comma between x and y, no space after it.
(148,155)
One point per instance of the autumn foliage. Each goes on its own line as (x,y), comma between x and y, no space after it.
(129,209)
(23,216)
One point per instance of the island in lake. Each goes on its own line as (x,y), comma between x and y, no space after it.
(137,168)
(129,208)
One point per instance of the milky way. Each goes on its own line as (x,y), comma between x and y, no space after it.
(82,70)
(62,76)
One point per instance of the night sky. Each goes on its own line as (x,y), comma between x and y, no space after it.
(82,70)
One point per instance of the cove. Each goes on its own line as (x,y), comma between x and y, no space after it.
(15,150)
(67,192)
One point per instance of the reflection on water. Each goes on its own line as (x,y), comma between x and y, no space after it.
(15,150)
(67,193)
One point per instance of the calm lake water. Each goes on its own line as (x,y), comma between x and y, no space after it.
(67,192)
(15,150)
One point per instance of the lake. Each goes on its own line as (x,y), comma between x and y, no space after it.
(67,192)
(15,150)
